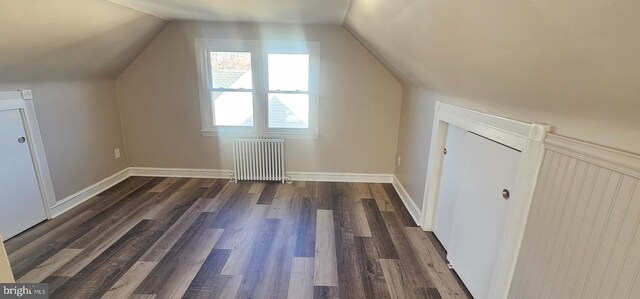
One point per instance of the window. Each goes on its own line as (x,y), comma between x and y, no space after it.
(254,88)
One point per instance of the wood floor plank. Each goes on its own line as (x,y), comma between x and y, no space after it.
(174,273)
(49,266)
(208,282)
(381,197)
(55,282)
(241,251)
(324,292)
(428,293)
(311,189)
(381,238)
(402,213)
(257,261)
(174,285)
(268,193)
(104,237)
(281,202)
(326,267)
(75,216)
(234,206)
(352,203)
(151,237)
(373,279)
(230,287)
(437,268)
(33,254)
(257,187)
(243,222)
(163,185)
(301,283)
(119,223)
(306,229)
(173,234)
(125,286)
(416,275)
(98,276)
(394,279)
(350,282)
(278,263)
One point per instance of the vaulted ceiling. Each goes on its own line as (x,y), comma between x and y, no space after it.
(70,39)
(574,57)
(269,11)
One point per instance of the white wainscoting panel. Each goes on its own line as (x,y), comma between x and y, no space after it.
(582,237)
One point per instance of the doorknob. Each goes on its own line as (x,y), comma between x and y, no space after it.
(506,194)
(21,139)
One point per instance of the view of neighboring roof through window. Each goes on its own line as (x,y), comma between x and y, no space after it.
(232,88)
(288,90)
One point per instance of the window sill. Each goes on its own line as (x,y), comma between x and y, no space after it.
(288,135)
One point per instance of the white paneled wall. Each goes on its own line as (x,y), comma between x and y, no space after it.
(582,238)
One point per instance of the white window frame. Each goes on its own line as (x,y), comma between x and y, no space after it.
(259,50)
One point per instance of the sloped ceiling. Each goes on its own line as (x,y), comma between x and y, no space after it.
(270,11)
(70,39)
(574,57)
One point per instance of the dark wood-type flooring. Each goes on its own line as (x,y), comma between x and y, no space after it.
(160,237)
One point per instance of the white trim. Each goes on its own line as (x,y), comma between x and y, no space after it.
(623,162)
(409,203)
(127,4)
(23,101)
(181,172)
(236,134)
(525,137)
(293,175)
(85,194)
(340,177)
(259,50)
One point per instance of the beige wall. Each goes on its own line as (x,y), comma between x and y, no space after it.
(414,139)
(359,103)
(70,39)
(6,276)
(80,127)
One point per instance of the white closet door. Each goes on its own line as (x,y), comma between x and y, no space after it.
(21,205)
(480,210)
(452,167)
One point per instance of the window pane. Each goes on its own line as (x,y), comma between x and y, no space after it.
(288,110)
(231,70)
(289,72)
(233,108)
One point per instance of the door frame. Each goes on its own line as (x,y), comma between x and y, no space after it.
(22,100)
(528,138)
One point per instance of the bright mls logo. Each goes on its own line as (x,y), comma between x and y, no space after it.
(24,290)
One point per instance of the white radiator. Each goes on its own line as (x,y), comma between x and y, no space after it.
(259,159)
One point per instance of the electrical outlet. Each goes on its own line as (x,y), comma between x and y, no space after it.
(117,153)
(399,160)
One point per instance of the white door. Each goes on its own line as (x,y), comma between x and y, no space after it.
(480,210)
(452,167)
(21,205)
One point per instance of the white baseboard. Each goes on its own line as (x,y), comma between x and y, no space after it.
(95,189)
(181,172)
(340,177)
(407,200)
(81,196)
(294,175)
